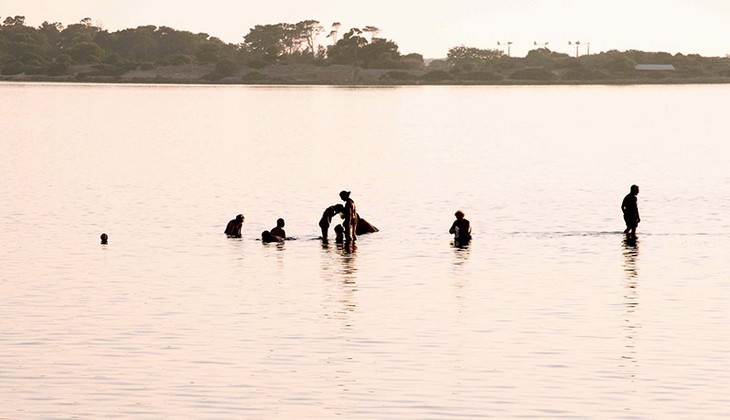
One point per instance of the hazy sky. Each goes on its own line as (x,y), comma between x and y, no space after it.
(428,27)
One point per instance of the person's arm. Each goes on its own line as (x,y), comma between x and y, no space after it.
(453,228)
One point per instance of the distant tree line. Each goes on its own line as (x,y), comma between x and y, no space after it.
(53,49)
(472,65)
(542,64)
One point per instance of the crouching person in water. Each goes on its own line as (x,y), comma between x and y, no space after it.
(233,228)
(276,234)
(326,220)
(461,228)
(363,227)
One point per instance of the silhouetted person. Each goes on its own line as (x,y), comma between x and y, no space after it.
(339,234)
(233,228)
(461,228)
(350,219)
(278,231)
(363,226)
(104,239)
(267,237)
(326,220)
(631,211)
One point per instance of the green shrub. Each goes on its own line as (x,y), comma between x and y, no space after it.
(583,74)
(13,68)
(535,73)
(253,76)
(57,69)
(481,76)
(398,75)
(223,69)
(181,59)
(257,64)
(436,76)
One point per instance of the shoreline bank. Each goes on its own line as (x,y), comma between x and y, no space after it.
(334,75)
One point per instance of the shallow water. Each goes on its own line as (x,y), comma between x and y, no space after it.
(548,313)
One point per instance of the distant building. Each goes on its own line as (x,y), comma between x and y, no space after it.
(654,67)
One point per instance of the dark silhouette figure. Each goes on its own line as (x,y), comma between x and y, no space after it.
(461,228)
(350,219)
(339,234)
(104,239)
(276,234)
(363,226)
(267,237)
(326,220)
(630,209)
(233,228)
(279,229)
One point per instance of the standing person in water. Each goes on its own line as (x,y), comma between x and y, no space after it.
(233,229)
(326,220)
(461,228)
(350,222)
(631,211)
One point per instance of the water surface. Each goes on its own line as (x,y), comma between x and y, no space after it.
(549,313)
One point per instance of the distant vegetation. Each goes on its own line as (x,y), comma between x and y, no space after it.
(289,53)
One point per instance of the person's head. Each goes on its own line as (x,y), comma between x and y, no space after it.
(240,218)
(280,222)
(104,238)
(459,214)
(339,208)
(344,195)
(634,189)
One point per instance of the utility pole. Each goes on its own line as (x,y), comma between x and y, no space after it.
(577,47)
(509,44)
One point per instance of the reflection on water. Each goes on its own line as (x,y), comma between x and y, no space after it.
(631,254)
(461,253)
(631,326)
(341,256)
(349,276)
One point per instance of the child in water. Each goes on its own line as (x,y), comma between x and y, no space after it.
(339,234)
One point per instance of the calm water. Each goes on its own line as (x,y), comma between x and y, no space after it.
(547,314)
